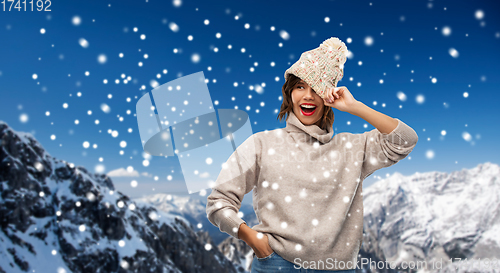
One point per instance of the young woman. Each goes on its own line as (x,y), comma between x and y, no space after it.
(307,186)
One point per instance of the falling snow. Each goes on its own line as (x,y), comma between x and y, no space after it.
(126,71)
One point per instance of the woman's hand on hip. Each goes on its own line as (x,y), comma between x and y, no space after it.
(261,246)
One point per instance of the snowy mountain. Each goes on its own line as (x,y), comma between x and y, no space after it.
(433,216)
(423,217)
(194,211)
(56,217)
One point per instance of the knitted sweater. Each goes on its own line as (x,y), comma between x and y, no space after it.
(307,188)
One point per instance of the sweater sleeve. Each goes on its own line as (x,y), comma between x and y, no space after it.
(383,150)
(238,177)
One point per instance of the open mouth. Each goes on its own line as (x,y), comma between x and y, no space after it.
(307,109)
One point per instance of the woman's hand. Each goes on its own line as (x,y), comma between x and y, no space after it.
(339,98)
(261,246)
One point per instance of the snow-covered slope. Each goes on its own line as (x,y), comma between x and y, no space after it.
(56,217)
(435,215)
(188,207)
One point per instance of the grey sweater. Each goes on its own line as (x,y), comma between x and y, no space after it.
(307,188)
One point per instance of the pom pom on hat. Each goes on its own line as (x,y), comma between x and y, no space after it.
(336,44)
(322,67)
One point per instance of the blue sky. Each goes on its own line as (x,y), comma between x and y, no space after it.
(432,64)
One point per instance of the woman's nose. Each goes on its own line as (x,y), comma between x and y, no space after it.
(310,92)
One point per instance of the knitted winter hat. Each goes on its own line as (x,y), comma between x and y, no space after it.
(323,67)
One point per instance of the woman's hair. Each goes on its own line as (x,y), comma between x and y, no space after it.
(287,105)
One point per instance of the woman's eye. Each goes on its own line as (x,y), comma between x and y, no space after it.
(300,86)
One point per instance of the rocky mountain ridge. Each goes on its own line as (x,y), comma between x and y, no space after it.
(56,217)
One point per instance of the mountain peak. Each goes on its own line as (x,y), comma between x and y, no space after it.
(75,221)
(434,215)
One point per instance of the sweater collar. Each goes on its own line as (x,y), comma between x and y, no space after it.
(293,124)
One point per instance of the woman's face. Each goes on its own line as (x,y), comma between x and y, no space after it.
(302,95)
